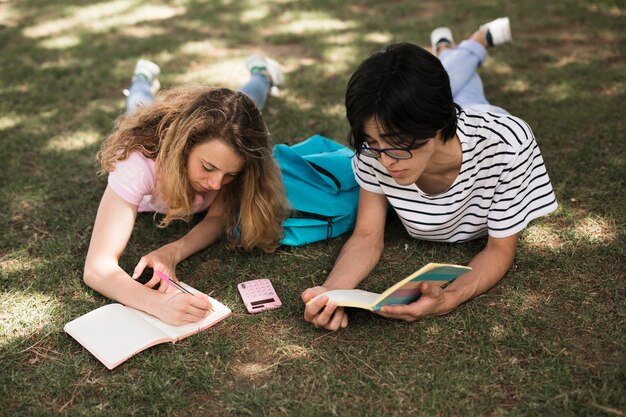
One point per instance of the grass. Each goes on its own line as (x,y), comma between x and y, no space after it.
(549,340)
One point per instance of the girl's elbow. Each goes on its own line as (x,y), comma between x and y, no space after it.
(90,276)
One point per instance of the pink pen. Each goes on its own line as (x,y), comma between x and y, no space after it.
(172,283)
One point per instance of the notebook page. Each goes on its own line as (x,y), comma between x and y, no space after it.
(113,333)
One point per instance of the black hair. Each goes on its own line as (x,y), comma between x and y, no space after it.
(406,91)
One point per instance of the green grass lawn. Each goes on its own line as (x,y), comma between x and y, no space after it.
(549,340)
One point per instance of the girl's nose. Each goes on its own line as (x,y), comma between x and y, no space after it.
(215,181)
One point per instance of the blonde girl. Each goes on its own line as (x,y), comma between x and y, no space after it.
(193,149)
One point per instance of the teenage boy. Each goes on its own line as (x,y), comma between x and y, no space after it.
(453,167)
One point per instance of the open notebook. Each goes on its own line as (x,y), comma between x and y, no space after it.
(114,333)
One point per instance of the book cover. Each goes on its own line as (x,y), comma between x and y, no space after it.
(405,291)
(114,333)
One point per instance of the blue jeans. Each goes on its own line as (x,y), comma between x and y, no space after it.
(140,93)
(461,63)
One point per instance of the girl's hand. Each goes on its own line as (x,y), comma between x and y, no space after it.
(162,260)
(431,303)
(329,316)
(180,308)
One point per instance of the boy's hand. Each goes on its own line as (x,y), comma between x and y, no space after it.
(329,316)
(431,303)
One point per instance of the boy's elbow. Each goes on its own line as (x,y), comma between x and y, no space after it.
(373,239)
(380,246)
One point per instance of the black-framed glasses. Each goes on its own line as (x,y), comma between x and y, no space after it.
(395,153)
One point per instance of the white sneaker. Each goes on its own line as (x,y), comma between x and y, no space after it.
(151,71)
(272,67)
(500,31)
(438,36)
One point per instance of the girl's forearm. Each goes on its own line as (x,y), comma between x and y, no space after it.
(202,235)
(113,282)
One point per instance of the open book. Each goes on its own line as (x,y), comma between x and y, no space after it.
(403,292)
(113,333)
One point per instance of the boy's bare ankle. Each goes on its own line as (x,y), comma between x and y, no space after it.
(480,36)
(442,47)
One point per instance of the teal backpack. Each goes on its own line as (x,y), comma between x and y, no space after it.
(321,189)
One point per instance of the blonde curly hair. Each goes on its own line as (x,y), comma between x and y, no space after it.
(179,119)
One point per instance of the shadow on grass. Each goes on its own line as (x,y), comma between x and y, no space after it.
(549,321)
(548,338)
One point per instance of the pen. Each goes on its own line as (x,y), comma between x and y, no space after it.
(172,283)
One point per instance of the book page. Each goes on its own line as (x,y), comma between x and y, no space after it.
(174,333)
(350,298)
(113,333)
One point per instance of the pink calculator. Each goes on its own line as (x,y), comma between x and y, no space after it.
(259,295)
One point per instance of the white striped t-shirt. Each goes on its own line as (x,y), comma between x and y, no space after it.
(501,187)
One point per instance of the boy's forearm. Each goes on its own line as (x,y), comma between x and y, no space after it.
(356,260)
(488,268)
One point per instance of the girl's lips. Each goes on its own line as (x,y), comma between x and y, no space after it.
(201,189)
(395,173)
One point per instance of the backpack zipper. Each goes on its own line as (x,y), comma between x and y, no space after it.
(327,173)
(299,214)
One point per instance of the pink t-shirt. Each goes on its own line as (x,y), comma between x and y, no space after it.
(135,181)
